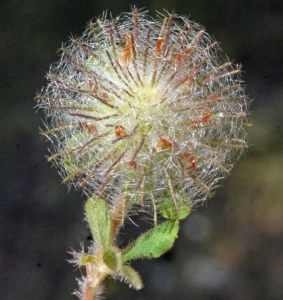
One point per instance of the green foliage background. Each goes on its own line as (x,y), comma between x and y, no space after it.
(231,248)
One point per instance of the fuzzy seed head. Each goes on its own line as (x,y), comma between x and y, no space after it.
(143,109)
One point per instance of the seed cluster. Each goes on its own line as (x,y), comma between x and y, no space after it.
(144,109)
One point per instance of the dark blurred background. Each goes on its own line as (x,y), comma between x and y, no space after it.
(231,248)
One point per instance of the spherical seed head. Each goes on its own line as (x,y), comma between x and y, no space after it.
(145,109)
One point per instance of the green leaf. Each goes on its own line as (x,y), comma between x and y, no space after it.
(98,216)
(154,242)
(89,258)
(174,209)
(131,277)
(113,259)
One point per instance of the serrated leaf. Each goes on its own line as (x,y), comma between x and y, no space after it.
(113,259)
(154,242)
(89,258)
(174,209)
(131,277)
(98,216)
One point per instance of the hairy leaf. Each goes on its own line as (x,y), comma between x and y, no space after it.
(131,277)
(154,242)
(98,215)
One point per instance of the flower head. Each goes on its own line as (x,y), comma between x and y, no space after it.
(145,109)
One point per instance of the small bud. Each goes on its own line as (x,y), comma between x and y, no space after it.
(137,108)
